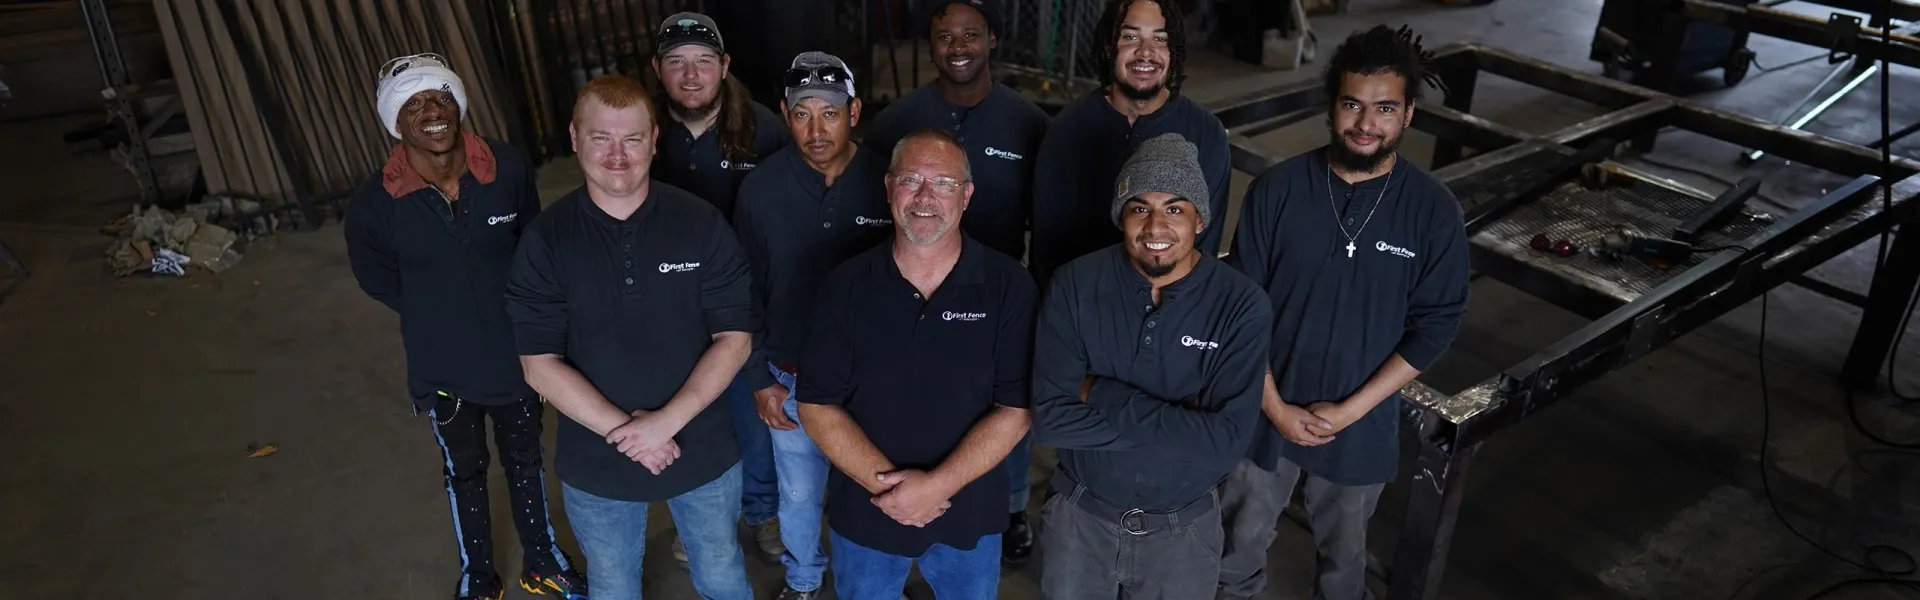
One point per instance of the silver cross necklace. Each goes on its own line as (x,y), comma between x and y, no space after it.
(1363,224)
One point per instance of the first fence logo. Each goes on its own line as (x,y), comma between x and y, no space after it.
(678,267)
(1188,341)
(498,219)
(962,316)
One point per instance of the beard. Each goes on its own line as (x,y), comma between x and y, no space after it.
(697,113)
(915,228)
(1353,162)
(1153,271)
(1139,94)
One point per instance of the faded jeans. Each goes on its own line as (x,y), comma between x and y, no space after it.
(803,493)
(613,536)
(862,573)
(1252,500)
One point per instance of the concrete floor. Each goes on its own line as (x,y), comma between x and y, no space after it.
(129,404)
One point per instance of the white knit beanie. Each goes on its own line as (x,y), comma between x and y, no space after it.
(403,77)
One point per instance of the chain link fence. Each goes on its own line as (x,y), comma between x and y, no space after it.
(1053,41)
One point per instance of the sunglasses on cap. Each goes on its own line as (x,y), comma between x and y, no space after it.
(400,65)
(689,28)
(827,75)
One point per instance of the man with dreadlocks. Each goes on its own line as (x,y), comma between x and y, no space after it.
(1364,257)
(1144,43)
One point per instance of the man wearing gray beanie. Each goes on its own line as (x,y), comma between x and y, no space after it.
(1148,362)
(431,236)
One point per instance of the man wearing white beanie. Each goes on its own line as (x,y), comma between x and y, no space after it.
(431,237)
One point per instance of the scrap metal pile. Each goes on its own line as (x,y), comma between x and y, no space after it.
(208,236)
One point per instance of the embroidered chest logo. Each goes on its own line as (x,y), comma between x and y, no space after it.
(962,316)
(1188,341)
(498,219)
(678,267)
(998,153)
(872,221)
(737,166)
(1392,249)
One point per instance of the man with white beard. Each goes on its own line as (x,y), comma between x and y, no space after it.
(916,388)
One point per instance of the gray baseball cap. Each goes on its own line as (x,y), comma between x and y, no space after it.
(819,75)
(689,28)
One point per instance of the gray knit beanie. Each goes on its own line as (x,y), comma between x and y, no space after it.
(1167,163)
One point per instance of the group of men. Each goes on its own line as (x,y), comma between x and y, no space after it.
(756,318)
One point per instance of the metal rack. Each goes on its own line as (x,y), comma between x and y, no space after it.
(1517,184)
(118,88)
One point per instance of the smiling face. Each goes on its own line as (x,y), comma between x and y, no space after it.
(928,189)
(1369,114)
(615,146)
(692,73)
(961,43)
(1159,229)
(822,130)
(1143,51)
(430,121)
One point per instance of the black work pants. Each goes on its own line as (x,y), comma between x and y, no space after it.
(461,429)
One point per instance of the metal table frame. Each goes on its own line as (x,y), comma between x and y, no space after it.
(1627,325)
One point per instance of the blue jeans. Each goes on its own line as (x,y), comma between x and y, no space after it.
(759,497)
(861,573)
(803,493)
(613,536)
(1016,465)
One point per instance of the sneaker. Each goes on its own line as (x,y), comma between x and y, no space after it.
(567,584)
(767,536)
(497,594)
(483,590)
(788,593)
(1016,545)
(679,550)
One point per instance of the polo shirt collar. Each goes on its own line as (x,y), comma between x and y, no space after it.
(400,179)
(970,269)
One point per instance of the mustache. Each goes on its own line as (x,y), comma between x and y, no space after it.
(926,207)
(1148,238)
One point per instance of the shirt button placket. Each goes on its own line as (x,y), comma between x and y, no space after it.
(626,253)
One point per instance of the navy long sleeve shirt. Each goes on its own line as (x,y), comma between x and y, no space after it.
(1338,319)
(1002,137)
(1177,386)
(443,267)
(794,229)
(1080,159)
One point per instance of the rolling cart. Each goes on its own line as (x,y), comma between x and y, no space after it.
(1652,44)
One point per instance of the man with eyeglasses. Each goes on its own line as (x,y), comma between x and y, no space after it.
(431,237)
(802,212)
(1144,46)
(916,388)
(715,134)
(1001,132)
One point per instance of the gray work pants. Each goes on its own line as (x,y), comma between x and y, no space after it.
(1251,500)
(1086,557)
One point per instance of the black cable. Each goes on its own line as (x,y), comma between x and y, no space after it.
(1884,575)
(1766,69)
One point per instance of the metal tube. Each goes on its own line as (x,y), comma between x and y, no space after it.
(1754,156)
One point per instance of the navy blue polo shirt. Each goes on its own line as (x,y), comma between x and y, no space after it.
(1081,157)
(916,374)
(633,305)
(443,267)
(1002,139)
(696,164)
(1177,388)
(794,229)
(1338,318)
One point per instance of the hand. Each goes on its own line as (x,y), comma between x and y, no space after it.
(771,403)
(658,461)
(1086,387)
(916,499)
(644,434)
(1335,416)
(1301,426)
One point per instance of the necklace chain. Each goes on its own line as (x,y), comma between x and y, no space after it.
(1352,237)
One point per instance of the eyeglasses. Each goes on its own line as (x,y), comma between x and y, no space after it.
(689,28)
(400,65)
(1561,248)
(827,75)
(912,182)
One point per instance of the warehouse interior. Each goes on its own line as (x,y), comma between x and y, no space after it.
(237,429)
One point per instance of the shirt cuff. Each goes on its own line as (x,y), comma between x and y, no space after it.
(534,342)
(1418,350)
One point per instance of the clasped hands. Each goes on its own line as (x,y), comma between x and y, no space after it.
(647,438)
(913,497)
(1314,424)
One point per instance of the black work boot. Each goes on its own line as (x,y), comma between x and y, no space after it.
(1016,546)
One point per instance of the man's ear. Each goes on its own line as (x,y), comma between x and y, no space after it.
(853,113)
